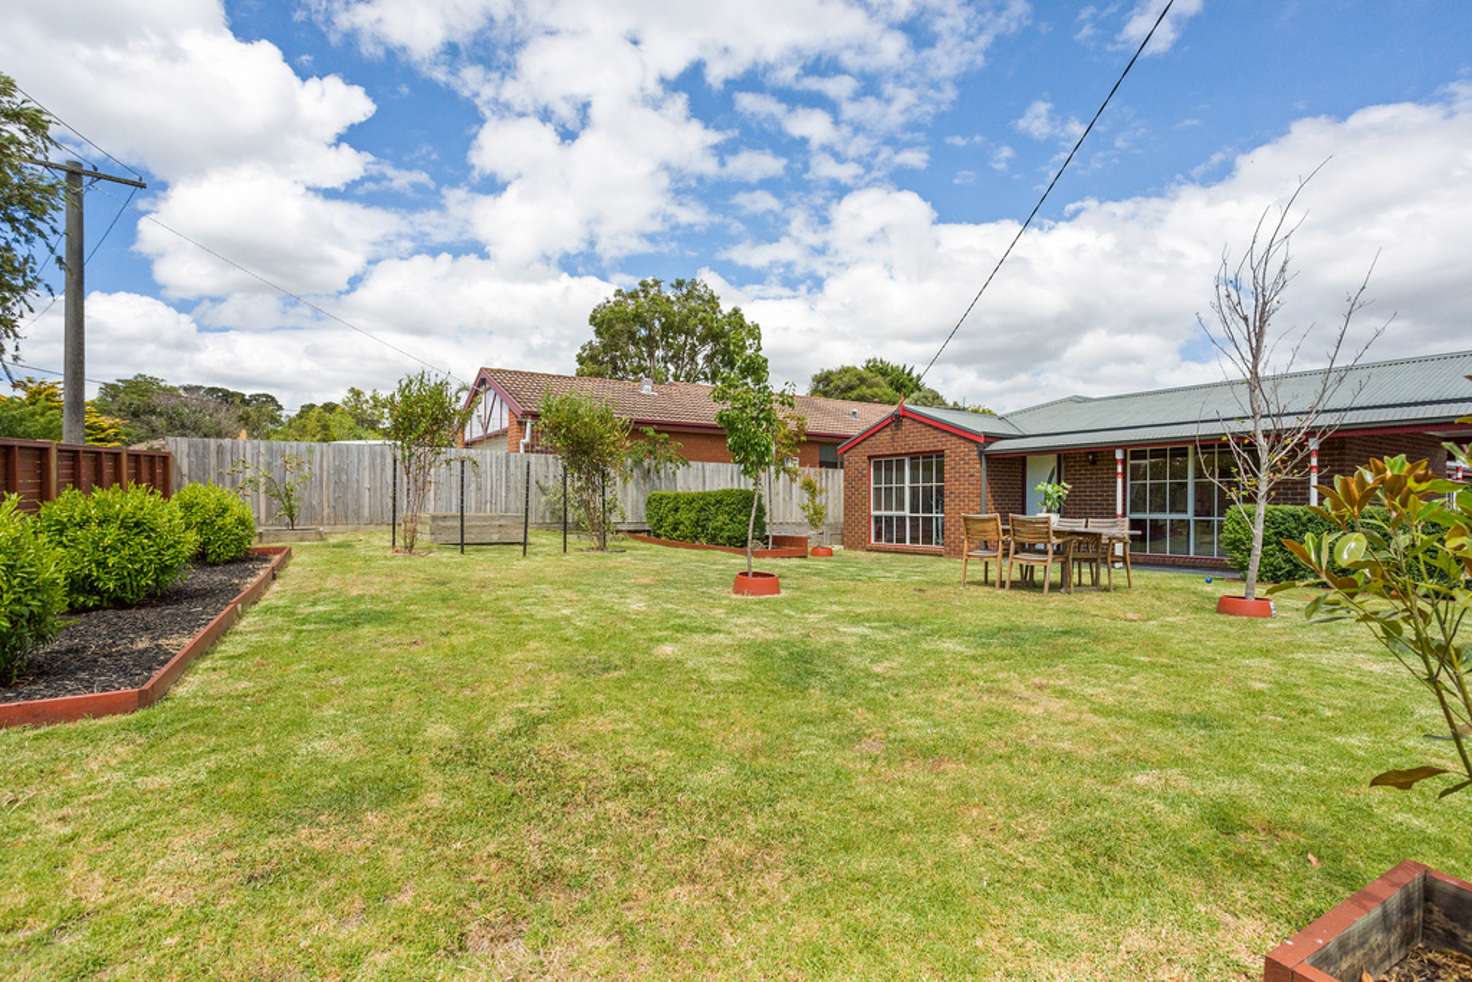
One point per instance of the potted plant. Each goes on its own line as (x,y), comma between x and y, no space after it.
(285,492)
(761,430)
(1399,561)
(815,510)
(1054,493)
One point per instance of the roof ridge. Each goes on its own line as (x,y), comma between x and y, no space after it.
(1299,373)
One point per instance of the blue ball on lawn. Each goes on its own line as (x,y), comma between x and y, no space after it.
(1208,579)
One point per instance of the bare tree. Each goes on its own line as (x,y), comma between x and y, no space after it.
(1280,419)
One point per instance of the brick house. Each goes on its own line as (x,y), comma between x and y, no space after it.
(910,476)
(506,404)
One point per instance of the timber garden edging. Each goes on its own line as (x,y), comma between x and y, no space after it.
(65,709)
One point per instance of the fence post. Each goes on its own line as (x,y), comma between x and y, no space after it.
(393,501)
(526,507)
(564,507)
(49,480)
(462,506)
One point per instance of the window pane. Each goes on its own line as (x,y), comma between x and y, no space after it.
(1157,499)
(1177,501)
(940,531)
(1157,465)
(914,531)
(1155,534)
(1205,497)
(1138,525)
(1138,502)
(1179,546)
(1178,458)
(940,470)
(1137,468)
(940,500)
(1205,538)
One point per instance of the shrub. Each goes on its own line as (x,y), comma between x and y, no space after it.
(713,517)
(219,519)
(1291,522)
(32,588)
(118,545)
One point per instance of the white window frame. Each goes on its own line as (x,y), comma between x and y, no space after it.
(1189,516)
(908,482)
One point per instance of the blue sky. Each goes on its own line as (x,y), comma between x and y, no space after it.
(467,182)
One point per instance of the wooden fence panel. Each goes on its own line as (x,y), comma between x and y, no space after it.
(39,470)
(350,482)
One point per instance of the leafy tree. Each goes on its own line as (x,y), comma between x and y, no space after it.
(424,416)
(35,414)
(29,198)
(593,443)
(154,409)
(814,507)
(878,380)
(359,416)
(762,427)
(679,336)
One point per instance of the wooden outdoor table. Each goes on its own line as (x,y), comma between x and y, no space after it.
(1106,538)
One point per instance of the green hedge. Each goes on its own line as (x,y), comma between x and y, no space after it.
(222,522)
(119,546)
(715,518)
(32,588)
(1281,522)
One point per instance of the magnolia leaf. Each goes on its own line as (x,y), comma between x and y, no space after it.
(1405,779)
(1349,548)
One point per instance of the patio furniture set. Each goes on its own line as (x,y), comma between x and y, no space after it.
(1043,541)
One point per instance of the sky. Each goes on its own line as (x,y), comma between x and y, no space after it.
(466,179)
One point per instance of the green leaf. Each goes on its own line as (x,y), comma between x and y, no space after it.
(1349,548)
(1406,779)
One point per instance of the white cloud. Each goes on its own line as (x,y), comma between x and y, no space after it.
(826,168)
(1039,122)
(1143,16)
(757,202)
(752,165)
(1002,157)
(1107,298)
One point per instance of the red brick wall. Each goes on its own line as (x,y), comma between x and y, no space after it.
(907,437)
(1092,486)
(701,446)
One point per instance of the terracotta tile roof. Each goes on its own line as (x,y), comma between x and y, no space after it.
(672,403)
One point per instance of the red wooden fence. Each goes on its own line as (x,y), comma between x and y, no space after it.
(39,470)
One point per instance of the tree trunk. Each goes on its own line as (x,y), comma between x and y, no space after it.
(756,490)
(1259,514)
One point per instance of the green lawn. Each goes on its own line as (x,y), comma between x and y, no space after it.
(607,765)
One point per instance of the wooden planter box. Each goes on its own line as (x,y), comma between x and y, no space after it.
(64,709)
(1375,929)
(278,536)
(481,528)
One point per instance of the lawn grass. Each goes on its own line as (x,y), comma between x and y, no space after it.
(607,765)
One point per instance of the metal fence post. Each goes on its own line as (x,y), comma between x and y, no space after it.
(393,498)
(526,507)
(462,506)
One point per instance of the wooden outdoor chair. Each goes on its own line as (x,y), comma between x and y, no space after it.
(1026,531)
(982,539)
(1121,547)
(1087,550)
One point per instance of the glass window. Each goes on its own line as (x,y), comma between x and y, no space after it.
(1174,500)
(907,500)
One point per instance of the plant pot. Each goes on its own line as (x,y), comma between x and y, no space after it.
(756,584)
(276,536)
(1242,607)
(1379,927)
(821,552)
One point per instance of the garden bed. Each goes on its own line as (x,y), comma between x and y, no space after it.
(115,660)
(782,552)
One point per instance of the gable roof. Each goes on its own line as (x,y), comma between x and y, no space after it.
(1428,389)
(671,404)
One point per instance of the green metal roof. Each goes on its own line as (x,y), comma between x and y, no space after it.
(1425,390)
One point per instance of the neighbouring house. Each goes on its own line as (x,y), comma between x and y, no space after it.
(910,476)
(506,403)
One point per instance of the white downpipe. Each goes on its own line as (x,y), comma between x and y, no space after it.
(526,434)
(1118,482)
(1313,470)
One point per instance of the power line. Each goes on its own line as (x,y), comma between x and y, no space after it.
(1049,189)
(52,371)
(80,135)
(300,299)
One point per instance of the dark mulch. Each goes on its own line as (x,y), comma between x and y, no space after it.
(103,650)
(1431,965)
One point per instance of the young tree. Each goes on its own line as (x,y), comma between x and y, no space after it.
(680,336)
(29,198)
(285,491)
(1270,440)
(424,416)
(762,429)
(594,446)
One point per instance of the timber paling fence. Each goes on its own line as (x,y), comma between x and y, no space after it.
(351,483)
(39,470)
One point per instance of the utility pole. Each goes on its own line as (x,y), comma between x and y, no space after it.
(74,356)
